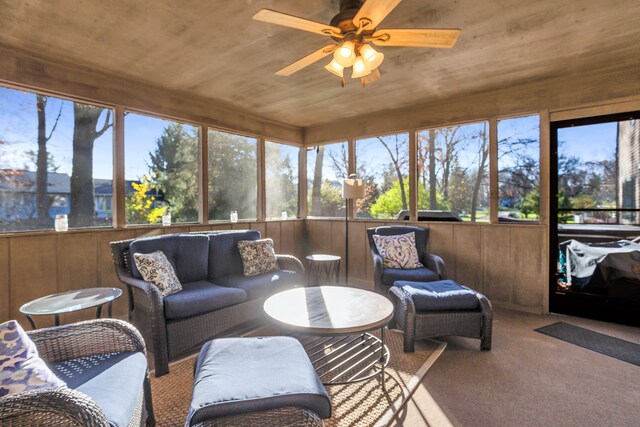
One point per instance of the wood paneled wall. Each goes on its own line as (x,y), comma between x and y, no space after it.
(508,263)
(40,263)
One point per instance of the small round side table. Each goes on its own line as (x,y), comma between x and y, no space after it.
(322,269)
(70,301)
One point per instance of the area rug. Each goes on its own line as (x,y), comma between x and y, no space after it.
(361,404)
(605,344)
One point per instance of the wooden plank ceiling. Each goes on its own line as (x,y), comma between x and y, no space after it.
(215,50)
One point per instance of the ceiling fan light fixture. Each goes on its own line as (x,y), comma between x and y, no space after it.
(334,68)
(360,68)
(345,55)
(372,57)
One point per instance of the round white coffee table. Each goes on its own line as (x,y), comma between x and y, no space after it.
(335,324)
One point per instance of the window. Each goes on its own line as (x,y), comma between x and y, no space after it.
(453,172)
(161,170)
(281,180)
(233,175)
(519,169)
(383,163)
(55,159)
(598,173)
(327,166)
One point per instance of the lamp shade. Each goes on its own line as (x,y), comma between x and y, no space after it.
(352,188)
(372,57)
(359,68)
(334,68)
(345,54)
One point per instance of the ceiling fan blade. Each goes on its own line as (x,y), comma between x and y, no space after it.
(307,60)
(414,37)
(373,12)
(279,18)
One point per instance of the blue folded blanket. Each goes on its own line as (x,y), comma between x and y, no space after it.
(440,295)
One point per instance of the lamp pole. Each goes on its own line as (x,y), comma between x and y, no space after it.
(346,242)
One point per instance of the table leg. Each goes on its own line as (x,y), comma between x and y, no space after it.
(30,319)
(382,356)
(57,319)
(109,309)
(99,311)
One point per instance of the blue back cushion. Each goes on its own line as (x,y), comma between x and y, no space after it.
(189,254)
(422,235)
(224,256)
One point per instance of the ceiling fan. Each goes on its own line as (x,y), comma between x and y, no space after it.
(353,29)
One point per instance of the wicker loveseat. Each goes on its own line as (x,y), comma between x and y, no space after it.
(215,295)
(104,365)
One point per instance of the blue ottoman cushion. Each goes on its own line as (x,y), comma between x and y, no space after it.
(440,295)
(241,375)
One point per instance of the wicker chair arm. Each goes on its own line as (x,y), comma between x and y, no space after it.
(377,273)
(487,322)
(435,263)
(289,262)
(55,406)
(86,338)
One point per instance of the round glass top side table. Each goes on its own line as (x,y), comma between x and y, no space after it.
(70,301)
(323,269)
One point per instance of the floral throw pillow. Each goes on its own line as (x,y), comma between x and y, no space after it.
(21,368)
(398,251)
(258,256)
(156,268)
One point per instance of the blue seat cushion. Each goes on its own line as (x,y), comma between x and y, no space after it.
(241,375)
(200,297)
(423,274)
(189,254)
(224,256)
(114,381)
(440,295)
(262,285)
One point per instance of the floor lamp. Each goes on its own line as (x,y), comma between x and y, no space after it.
(352,189)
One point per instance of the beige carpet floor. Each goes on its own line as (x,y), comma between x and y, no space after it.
(360,404)
(528,379)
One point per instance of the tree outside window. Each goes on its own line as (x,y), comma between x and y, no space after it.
(326,168)
(233,175)
(161,170)
(453,170)
(281,179)
(519,168)
(383,163)
(55,159)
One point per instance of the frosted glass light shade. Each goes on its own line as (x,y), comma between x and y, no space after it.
(372,57)
(334,68)
(359,68)
(345,55)
(352,188)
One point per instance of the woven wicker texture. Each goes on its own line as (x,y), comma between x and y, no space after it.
(360,404)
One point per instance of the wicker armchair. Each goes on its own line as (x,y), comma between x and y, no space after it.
(434,266)
(170,339)
(66,406)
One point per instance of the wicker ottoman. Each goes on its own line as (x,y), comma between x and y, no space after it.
(266,381)
(431,309)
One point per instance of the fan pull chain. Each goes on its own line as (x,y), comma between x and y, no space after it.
(342,82)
